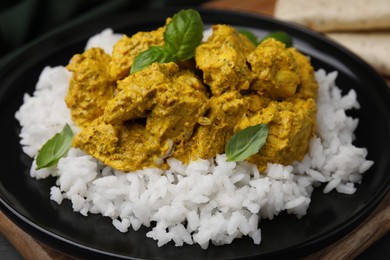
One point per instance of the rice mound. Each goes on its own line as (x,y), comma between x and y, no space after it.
(207,200)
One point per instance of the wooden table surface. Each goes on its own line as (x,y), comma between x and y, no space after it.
(375,227)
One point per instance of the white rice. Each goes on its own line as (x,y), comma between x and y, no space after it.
(207,200)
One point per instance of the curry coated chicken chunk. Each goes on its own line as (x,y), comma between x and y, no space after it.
(281,72)
(222,59)
(127,48)
(275,70)
(291,125)
(90,86)
(215,128)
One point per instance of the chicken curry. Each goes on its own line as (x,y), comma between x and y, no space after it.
(189,110)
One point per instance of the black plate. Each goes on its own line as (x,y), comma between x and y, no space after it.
(331,216)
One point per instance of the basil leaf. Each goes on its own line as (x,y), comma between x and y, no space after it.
(250,35)
(246,142)
(149,56)
(183,34)
(181,37)
(55,148)
(280,36)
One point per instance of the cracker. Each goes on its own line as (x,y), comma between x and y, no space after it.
(336,15)
(373,47)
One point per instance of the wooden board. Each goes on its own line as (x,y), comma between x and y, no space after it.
(265,7)
(375,226)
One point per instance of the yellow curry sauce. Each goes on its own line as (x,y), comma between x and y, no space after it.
(190,110)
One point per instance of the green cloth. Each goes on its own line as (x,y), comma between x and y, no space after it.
(23,22)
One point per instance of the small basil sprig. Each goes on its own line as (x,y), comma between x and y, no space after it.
(145,58)
(277,35)
(250,35)
(246,142)
(55,148)
(181,37)
(280,36)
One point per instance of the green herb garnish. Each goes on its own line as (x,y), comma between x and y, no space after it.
(55,148)
(280,36)
(181,37)
(153,54)
(246,142)
(277,35)
(250,35)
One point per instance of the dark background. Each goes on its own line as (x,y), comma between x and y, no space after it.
(22,22)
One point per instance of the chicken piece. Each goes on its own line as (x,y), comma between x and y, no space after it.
(121,146)
(127,48)
(309,86)
(275,70)
(215,129)
(222,58)
(90,86)
(254,103)
(291,124)
(136,93)
(169,99)
(180,105)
